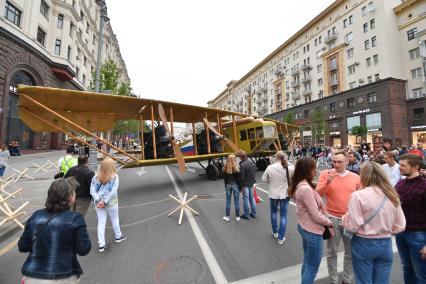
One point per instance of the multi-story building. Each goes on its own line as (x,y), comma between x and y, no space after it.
(350,44)
(49,43)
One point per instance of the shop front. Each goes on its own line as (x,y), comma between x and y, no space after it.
(418,134)
(335,139)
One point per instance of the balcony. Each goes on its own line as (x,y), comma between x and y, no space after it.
(278,72)
(306,66)
(306,79)
(332,67)
(330,38)
(307,93)
(334,82)
(295,84)
(294,71)
(295,96)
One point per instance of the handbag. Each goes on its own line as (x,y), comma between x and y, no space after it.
(350,234)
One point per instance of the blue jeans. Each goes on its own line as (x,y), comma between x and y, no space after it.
(283,214)
(409,245)
(312,254)
(248,195)
(372,260)
(2,169)
(232,189)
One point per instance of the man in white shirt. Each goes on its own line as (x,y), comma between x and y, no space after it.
(278,176)
(392,168)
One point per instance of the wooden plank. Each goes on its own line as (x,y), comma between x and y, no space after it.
(234,129)
(154,146)
(171,121)
(142,124)
(194,139)
(207,136)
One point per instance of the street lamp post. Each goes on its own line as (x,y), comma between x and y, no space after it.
(93,157)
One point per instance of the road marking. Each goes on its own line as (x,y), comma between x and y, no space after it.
(141,171)
(291,275)
(265,191)
(215,269)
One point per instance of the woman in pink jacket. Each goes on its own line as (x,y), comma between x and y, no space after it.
(374,214)
(311,217)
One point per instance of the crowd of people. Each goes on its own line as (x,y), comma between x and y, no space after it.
(357,202)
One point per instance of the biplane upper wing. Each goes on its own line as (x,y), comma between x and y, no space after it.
(98,112)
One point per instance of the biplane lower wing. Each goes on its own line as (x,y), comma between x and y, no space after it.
(166,161)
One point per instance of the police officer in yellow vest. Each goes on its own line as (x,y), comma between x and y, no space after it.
(68,161)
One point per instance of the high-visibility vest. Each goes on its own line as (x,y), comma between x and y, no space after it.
(68,162)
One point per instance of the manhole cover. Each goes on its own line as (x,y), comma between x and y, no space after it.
(182,269)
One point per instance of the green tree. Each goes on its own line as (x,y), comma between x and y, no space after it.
(318,125)
(289,118)
(359,130)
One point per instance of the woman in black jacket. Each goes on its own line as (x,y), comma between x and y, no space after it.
(231,172)
(54,236)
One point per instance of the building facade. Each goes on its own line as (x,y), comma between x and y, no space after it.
(351,44)
(48,43)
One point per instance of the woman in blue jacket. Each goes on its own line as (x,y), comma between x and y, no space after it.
(54,236)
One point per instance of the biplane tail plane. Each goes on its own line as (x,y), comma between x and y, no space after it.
(219,133)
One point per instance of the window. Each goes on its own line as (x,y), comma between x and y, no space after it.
(368,61)
(259,132)
(353,121)
(370,79)
(306,113)
(320,82)
(372,24)
(351,102)
(87,28)
(365,26)
(367,44)
(12,14)
(351,20)
(364,11)
(374,120)
(81,16)
(414,53)
(71,28)
(321,94)
(60,23)
(352,85)
(58,47)
(373,41)
(419,113)
(243,135)
(44,9)
(319,39)
(350,52)
(376,59)
(351,69)
(69,52)
(411,33)
(41,36)
(77,70)
(319,68)
(348,38)
(316,42)
(416,73)
(417,93)
(334,124)
(372,98)
(345,23)
(319,52)
(84,79)
(333,107)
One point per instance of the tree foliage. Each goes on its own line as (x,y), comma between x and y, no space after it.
(289,118)
(318,125)
(359,130)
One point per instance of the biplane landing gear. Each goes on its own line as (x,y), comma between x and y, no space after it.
(212,171)
(262,164)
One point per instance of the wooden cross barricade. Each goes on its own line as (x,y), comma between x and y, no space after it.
(40,168)
(182,205)
(22,173)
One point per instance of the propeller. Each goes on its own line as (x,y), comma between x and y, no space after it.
(176,148)
(227,141)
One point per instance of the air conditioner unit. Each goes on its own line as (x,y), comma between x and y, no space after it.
(361,81)
(324,48)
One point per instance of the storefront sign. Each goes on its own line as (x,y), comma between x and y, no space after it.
(335,133)
(418,127)
(374,129)
(362,111)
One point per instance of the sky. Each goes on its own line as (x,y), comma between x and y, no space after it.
(186,51)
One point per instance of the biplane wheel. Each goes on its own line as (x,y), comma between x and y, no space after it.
(212,171)
(262,164)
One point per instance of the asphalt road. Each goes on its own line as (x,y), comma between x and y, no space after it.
(204,249)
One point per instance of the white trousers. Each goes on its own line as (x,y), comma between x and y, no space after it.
(102,218)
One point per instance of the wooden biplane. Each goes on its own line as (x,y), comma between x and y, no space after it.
(222,133)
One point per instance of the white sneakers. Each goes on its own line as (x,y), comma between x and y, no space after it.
(275,235)
(238,218)
(226,218)
(280,242)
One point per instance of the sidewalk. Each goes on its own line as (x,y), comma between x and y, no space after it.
(34,191)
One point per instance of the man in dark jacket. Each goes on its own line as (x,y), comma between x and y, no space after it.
(83,174)
(247,181)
